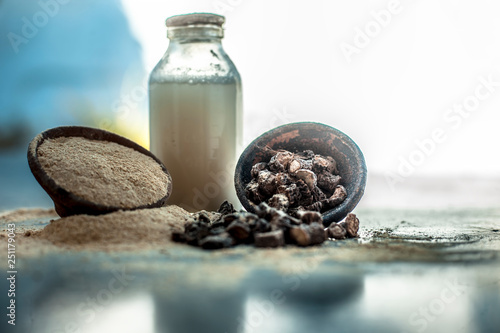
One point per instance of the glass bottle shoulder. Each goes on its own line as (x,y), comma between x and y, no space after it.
(195,62)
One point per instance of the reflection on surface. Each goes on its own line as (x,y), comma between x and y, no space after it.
(87,302)
(436,303)
(198,311)
(106,294)
(299,301)
(128,315)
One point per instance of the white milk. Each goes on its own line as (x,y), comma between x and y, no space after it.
(195,133)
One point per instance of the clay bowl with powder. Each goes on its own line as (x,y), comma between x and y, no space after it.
(320,138)
(92,171)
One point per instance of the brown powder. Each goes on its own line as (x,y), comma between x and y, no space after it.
(24,214)
(132,228)
(103,172)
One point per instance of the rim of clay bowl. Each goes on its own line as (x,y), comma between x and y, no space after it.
(67,203)
(320,138)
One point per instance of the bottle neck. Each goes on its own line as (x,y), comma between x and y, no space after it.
(196,33)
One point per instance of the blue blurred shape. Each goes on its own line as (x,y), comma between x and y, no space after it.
(63,62)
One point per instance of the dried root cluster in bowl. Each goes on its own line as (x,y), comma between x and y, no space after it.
(294,182)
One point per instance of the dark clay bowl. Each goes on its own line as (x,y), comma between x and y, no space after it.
(321,139)
(67,203)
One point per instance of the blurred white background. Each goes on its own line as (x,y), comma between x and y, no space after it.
(415,83)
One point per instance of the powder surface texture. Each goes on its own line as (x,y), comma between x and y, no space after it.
(152,226)
(103,172)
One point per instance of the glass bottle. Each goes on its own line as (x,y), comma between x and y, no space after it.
(196,113)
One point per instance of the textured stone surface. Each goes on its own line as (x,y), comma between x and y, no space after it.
(405,265)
